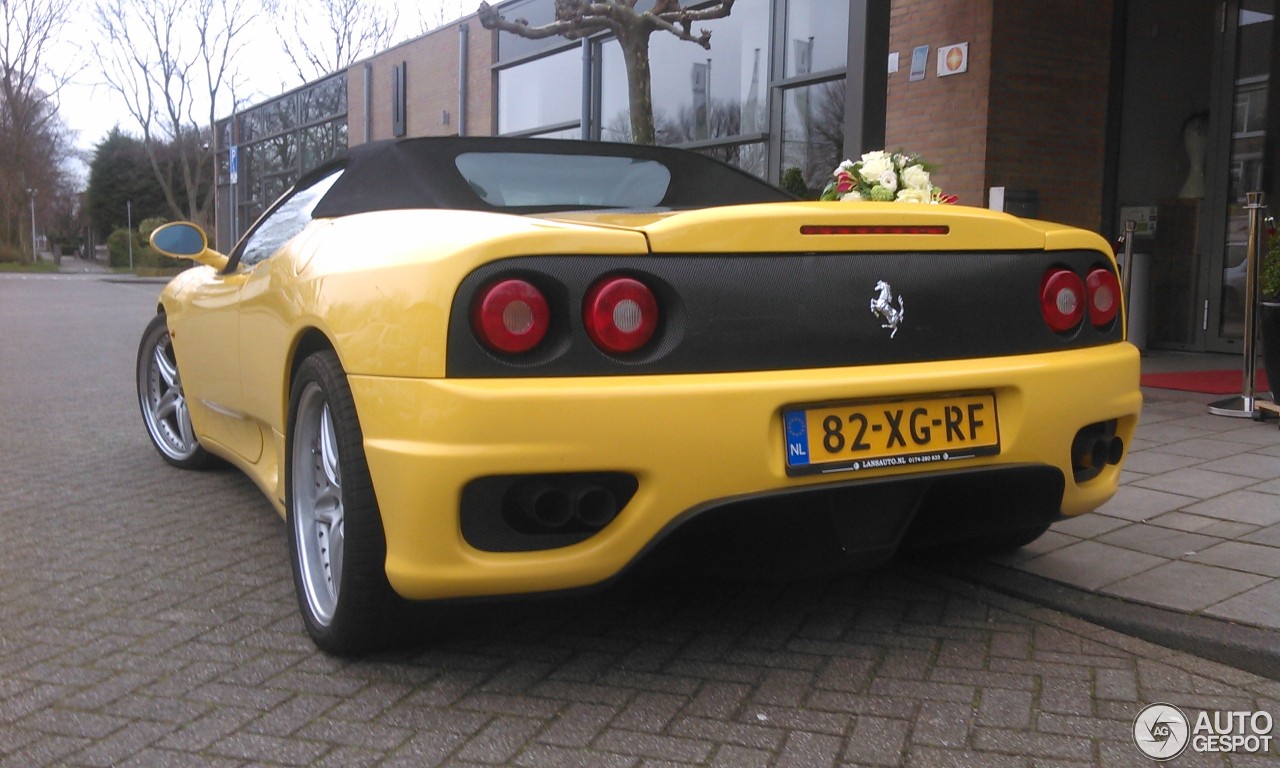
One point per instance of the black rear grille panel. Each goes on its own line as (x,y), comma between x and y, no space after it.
(753,312)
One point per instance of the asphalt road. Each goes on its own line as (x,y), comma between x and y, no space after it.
(147,618)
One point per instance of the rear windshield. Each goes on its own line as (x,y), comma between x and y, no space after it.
(509,179)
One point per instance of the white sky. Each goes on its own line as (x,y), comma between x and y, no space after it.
(92,109)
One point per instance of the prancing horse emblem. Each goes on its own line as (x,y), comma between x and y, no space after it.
(882,307)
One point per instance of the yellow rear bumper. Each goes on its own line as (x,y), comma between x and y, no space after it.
(689,440)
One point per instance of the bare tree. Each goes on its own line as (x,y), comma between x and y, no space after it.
(432,16)
(173,63)
(576,19)
(35,140)
(323,36)
(824,124)
(722,118)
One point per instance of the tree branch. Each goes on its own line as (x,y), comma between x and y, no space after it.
(573,27)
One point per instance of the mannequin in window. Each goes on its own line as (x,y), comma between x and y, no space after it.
(1195,138)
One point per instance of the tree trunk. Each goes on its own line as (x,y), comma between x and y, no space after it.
(635,52)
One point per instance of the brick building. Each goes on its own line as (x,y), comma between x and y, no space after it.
(1030,112)
(1085,112)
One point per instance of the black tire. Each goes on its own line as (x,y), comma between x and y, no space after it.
(163,402)
(337,547)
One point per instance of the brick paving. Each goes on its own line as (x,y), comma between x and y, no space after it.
(147,619)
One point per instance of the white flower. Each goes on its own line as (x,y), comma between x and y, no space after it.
(884,177)
(916,177)
(874,164)
(889,180)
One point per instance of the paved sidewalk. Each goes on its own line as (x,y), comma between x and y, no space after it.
(1193,533)
(1195,526)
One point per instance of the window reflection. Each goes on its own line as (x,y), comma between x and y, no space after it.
(817,36)
(289,219)
(574,132)
(277,142)
(697,94)
(564,180)
(750,157)
(544,92)
(324,99)
(536,12)
(321,142)
(1248,139)
(813,130)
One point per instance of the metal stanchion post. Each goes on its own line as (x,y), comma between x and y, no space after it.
(1246,404)
(1127,275)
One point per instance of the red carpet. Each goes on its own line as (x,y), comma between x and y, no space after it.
(1210,382)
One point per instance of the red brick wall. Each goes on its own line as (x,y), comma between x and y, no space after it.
(431,85)
(1048,104)
(944,119)
(1030,112)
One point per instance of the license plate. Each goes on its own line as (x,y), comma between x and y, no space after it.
(873,435)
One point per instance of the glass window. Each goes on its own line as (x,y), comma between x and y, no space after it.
(269,119)
(574,132)
(813,130)
(1248,144)
(817,36)
(324,99)
(543,92)
(248,126)
(224,133)
(697,94)
(278,141)
(274,155)
(751,157)
(537,13)
(321,142)
(288,219)
(525,179)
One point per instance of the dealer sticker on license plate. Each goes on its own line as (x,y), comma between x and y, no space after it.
(860,436)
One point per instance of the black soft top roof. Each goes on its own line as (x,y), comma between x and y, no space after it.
(424,173)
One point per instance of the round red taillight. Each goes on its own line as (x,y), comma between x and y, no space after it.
(1062,299)
(1104,296)
(510,316)
(620,314)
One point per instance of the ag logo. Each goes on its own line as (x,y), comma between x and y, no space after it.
(1161,731)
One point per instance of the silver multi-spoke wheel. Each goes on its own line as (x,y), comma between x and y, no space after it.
(336,543)
(163,402)
(317,503)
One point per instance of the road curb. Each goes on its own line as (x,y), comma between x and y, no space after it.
(1252,649)
(138,280)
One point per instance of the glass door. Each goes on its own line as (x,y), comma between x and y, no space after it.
(1237,129)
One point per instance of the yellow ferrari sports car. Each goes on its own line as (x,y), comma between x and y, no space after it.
(476,367)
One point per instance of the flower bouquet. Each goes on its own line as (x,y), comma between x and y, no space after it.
(885,177)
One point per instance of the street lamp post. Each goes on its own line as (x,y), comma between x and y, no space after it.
(35,255)
(128,212)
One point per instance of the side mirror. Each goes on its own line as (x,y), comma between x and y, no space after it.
(184,240)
